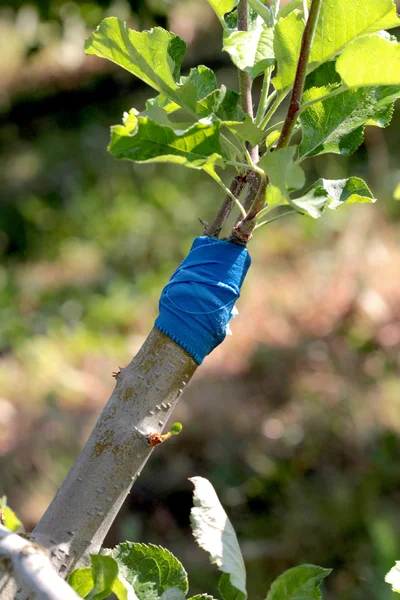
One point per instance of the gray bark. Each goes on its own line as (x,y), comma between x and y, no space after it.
(31,567)
(93,492)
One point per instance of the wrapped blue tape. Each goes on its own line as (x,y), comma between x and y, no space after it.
(198,302)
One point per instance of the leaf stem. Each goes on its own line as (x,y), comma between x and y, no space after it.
(244,78)
(301,72)
(264,99)
(231,195)
(263,11)
(305,9)
(236,187)
(278,101)
(283,214)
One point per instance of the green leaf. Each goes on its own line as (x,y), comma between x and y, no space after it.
(154,56)
(370,61)
(393,577)
(287,40)
(326,193)
(251,51)
(151,570)
(396,193)
(142,140)
(227,590)
(283,173)
(123,590)
(323,76)
(81,580)
(340,21)
(221,7)
(202,597)
(222,103)
(299,583)
(104,573)
(337,124)
(101,580)
(172,593)
(8,517)
(246,130)
(214,532)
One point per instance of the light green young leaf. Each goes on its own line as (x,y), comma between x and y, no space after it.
(339,22)
(326,193)
(227,590)
(284,175)
(287,40)
(246,130)
(370,61)
(154,56)
(223,104)
(101,580)
(299,583)
(81,580)
(151,570)
(8,517)
(393,577)
(396,193)
(221,7)
(251,51)
(214,533)
(142,140)
(337,124)
(104,573)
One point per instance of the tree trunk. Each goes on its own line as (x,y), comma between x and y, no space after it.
(93,492)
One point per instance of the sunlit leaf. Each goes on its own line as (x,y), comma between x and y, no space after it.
(284,175)
(326,193)
(340,21)
(370,61)
(227,590)
(154,56)
(299,583)
(142,140)
(221,7)
(337,124)
(393,577)
(101,580)
(151,570)
(8,517)
(214,533)
(251,51)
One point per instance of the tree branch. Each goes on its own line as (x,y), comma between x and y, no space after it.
(301,72)
(94,490)
(245,80)
(30,566)
(214,229)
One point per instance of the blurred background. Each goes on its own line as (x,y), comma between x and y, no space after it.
(295,419)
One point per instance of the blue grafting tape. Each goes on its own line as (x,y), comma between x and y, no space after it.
(197,303)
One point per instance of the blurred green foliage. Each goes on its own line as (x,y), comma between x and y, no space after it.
(295,420)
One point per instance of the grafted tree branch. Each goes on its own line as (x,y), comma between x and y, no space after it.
(29,565)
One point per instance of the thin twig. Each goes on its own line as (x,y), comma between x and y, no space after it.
(214,229)
(243,230)
(301,72)
(245,80)
(30,566)
(264,99)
